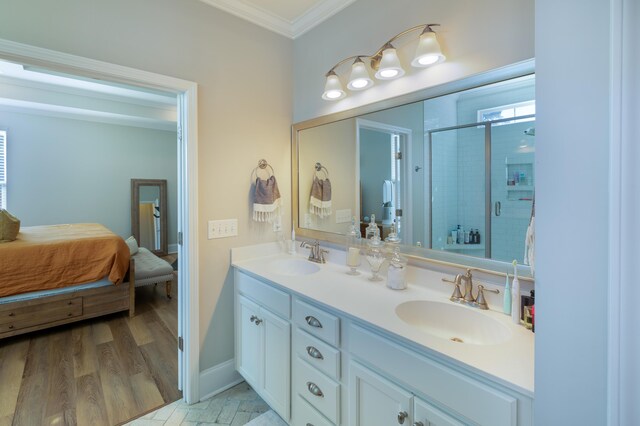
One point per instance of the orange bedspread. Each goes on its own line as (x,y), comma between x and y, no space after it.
(48,257)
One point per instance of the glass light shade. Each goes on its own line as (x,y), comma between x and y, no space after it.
(359,79)
(428,51)
(333,89)
(390,66)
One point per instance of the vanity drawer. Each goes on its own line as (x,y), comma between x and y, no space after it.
(319,390)
(317,353)
(305,415)
(460,393)
(317,322)
(277,301)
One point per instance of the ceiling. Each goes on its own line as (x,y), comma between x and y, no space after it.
(43,92)
(290,18)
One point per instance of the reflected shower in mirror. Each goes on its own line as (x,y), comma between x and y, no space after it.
(454,172)
(149,214)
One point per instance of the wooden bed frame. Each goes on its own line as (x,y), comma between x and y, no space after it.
(24,316)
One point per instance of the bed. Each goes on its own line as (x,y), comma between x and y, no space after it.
(53,275)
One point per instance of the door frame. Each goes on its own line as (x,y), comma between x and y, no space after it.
(186,93)
(406,144)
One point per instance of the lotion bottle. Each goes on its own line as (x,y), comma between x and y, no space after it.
(515,295)
(506,303)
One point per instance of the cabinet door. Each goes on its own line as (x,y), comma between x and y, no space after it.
(248,342)
(427,415)
(277,362)
(374,400)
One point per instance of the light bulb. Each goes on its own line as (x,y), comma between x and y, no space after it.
(390,66)
(359,79)
(428,51)
(333,88)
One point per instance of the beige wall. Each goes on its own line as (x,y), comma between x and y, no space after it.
(244,75)
(475,36)
(333,146)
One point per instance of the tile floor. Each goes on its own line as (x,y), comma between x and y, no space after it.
(236,406)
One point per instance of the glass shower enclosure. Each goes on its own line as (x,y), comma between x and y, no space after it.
(482,187)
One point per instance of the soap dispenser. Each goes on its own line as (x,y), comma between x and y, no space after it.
(353,242)
(375,255)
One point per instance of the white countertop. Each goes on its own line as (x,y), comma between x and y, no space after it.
(510,363)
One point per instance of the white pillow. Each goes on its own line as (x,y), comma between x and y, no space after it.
(133,245)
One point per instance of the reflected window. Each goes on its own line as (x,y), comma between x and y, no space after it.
(508,111)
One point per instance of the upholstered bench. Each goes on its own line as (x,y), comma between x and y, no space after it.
(150,269)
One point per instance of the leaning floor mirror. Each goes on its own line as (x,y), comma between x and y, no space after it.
(149,214)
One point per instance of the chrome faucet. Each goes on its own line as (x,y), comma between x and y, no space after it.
(467,297)
(316,253)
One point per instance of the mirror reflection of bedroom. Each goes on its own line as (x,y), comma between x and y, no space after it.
(88,248)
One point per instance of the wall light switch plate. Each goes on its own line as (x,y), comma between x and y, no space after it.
(222,228)
(343,216)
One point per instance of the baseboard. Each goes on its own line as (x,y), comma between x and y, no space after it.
(172,249)
(218,379)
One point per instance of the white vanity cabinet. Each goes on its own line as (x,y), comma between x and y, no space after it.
(376,400)
(324,367)
(263,341)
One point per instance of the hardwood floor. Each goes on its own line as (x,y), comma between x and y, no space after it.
(98,372)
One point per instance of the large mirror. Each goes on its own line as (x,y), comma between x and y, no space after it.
(451,169)
(149,214)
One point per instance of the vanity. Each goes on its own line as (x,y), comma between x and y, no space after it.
(325,348)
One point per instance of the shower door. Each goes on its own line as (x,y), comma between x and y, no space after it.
(482,183)
(512,187)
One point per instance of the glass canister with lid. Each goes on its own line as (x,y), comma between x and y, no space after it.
(353,242)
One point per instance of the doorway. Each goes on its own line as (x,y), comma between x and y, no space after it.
(186,93)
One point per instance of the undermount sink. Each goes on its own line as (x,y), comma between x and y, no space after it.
(293,267)
(453,322)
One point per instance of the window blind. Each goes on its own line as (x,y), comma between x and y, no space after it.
(3,169)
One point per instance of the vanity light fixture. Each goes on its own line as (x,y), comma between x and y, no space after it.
(385,62)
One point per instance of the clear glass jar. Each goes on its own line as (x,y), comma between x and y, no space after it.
(352,247)
(375,256)
(372,228)
(397,270)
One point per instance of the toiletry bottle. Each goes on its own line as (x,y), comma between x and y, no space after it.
(506,303)
(478,240)
(460,239)
(466,237)
(515,295)
(454,236)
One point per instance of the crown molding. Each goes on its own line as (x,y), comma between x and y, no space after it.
(317,14)
(269,20)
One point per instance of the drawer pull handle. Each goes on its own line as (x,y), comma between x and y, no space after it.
(313,321)
(314,389)
(402,415)
(11,327)
(253,318)
(314,353)
(11,314)
(70,303)
(418,424)
(309,424)
(70,314)
(258,321)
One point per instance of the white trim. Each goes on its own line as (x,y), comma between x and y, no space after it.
(276,23)
(218,379)
(172,249)
(316,15)
(615,212)
(186,91)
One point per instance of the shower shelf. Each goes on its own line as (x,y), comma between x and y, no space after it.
(520,187)
(464,246)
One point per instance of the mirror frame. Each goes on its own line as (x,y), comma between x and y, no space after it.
(489,266)
(135,211)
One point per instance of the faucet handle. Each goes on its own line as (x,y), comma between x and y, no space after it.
(456,296)
(481,302)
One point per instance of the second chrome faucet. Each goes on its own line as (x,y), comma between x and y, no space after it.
(467,297)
